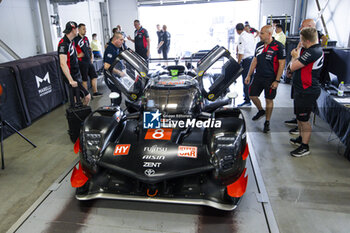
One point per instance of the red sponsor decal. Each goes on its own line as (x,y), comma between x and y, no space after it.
(122,149)
(187,151)
(158,134)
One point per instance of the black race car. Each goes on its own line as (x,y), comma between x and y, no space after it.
(178,141)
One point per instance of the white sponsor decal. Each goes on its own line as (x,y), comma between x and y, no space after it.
(150,172)
(151,164)
(155,148)
(45,89)
(153,157)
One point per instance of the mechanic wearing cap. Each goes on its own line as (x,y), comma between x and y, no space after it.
(141,40)
(306,66)
(268,63)
(245,54)
(113,49)
(69,63)
(86,67)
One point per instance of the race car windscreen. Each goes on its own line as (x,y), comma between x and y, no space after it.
(175,101)
(215,72)
(132,77)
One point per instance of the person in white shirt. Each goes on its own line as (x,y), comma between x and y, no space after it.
(245,54)
(280,36)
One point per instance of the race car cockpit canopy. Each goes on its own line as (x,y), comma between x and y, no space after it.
(135,71)
(230,71)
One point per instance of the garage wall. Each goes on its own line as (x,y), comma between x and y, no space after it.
(337,19)
(275,8)
(82,12)
(17,32)
(124,13)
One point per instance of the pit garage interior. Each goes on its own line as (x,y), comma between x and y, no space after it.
(283,193)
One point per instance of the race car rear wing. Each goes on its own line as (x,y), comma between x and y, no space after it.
(135,72)
(230,71)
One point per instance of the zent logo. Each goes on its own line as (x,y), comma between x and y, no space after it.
(151,120)
(158,134)
(122,149)
(187,151)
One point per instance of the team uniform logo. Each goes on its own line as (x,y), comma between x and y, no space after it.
(151,120)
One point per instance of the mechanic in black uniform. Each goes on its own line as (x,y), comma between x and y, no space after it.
(69,63)
(322,40)
(160,36)
(307,69)
(141,40)
(165,43)
(269,61)
(113,49)
(86,67)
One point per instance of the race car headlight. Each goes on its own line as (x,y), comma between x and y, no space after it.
(93,145)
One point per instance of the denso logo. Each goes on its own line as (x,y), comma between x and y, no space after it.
(187,151)
(122,149)
(155,148)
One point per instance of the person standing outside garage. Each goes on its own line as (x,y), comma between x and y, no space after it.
(86,67)
(68,59)
(113,49)
(160,36)
(96,46)
(165,43)
(307,69)
(245,54)
(280,36)
(141,40)
(269,61)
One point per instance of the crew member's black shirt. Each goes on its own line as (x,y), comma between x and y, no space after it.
(67,47)
(160,35)
(166,39)
(305,80)
(141,43)
(110,55)
(267,58)
(82,44)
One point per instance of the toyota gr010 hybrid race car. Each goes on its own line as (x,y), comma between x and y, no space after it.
(175,143)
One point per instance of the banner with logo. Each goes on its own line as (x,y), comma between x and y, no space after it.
(41,84)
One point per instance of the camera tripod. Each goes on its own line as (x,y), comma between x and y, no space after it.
(5,123)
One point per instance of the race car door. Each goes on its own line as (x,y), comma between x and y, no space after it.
(134,70)
(229,70)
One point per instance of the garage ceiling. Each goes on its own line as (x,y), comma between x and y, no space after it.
(177,2)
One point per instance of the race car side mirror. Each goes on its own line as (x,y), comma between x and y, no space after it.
(232,97)
(114,96)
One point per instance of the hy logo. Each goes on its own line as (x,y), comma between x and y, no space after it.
(40,80)
(151,120)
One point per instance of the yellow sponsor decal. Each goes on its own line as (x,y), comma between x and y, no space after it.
(143,74)
(210,96)
(200,73)
(134,96)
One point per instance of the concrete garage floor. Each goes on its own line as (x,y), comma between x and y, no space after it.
(310,194)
